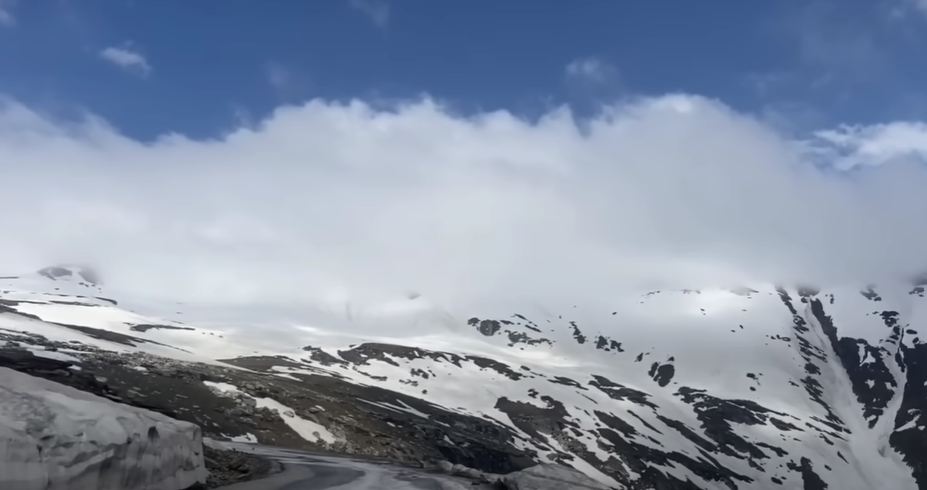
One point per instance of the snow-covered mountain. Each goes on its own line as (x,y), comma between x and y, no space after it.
(760,387)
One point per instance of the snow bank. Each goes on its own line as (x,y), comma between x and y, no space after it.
(54,437)
(550,477)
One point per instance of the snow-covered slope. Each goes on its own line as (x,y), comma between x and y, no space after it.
(760,388)
(56,437)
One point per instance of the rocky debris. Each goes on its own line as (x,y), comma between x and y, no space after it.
(228,466)
(178,389)
(54,370)
(15,339)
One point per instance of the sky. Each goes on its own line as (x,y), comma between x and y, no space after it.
(249,152)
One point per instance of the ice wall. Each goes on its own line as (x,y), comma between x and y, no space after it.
(54,437)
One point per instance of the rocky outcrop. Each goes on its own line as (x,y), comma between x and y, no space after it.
(54,437)
(228,466)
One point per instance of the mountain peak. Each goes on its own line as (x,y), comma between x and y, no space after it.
(75,273)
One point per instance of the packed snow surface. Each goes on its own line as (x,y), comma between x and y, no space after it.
(53,437)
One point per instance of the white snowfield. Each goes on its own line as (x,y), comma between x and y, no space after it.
(53,437)
(679,360)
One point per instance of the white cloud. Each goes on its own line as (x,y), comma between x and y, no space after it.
(127,59)
(375,10)
(590,70)
(657,192)
(6,12)
(854,146)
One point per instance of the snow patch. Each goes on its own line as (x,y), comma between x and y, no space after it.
(403,408)
(246,438)
(307,429)
(222,387)
(59,356)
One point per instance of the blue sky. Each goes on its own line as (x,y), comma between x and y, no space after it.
(208,65)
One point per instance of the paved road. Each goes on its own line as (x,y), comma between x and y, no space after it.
(308,471)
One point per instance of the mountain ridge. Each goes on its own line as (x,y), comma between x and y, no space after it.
(708,389)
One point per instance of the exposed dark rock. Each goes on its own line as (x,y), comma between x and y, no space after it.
(510,328)
(604,343)
(812,355)
(322,357)
(228,466)
(55,370)
(912,413)
(577,333)
(870,294)
(619,392)
(662,373)
(486,327)
(717,414)
(810,479)
(144,327)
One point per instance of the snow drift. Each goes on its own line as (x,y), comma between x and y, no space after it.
(55,437)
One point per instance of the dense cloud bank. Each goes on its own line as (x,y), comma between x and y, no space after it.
(329,200)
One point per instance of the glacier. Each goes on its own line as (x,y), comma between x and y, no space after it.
(54,437)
